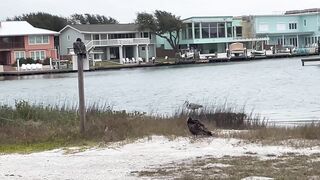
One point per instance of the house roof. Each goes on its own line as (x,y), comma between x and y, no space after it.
(21,28)
(103,28)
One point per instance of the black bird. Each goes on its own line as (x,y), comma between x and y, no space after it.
(197,128)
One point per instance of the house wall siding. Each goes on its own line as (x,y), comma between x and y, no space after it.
(308,28)
(66,43)
(272,21)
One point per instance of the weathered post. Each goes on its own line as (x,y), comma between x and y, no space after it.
(80,51)
(51,64)
(18,64)
(319,46)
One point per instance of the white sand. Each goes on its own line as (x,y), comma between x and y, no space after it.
(118,162)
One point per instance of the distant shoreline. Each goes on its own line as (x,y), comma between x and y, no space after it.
(117,67)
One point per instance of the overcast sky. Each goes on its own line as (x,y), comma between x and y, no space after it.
(125,10)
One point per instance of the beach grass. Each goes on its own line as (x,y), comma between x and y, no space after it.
(287,166)
(27,127)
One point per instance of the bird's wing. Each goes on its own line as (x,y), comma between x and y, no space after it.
(198,123)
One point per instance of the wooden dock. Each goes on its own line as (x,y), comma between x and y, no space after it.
(214,60)
(309,60)
(57,71)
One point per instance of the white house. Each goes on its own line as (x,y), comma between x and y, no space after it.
(109,41)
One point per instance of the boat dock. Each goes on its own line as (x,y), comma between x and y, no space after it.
(309,60)
(58,71)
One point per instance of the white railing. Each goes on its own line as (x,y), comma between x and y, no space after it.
(89,45)
(118,42)
(250,39)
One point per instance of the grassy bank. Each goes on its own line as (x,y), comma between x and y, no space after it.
(26,127)
(288,166)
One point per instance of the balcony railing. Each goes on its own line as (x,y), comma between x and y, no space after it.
(118,42)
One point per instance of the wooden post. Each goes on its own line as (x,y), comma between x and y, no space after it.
(81,52)
(81,95)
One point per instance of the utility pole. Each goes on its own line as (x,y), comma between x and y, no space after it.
(80,51)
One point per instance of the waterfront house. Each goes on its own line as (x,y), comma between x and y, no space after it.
(298,28)
(109,41)
(19,39)
(214,34)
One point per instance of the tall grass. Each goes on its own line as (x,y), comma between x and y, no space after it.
(29,123)
(222,116)
(309,131)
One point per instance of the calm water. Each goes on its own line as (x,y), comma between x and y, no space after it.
(279,89)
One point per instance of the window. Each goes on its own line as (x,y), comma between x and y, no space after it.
(39,39)
(189,31)
(19,54)
(229,29)
(221,30)
(45,39)
(128,35)
(292,25)
(293,41)
(37,55)
(87,37)
(96,37)
(68,37)
(184,31)
(197,30)
(213,30)
(205,30)
(96,56)
(238,31)
(305,23)
(282,41)
(104,36)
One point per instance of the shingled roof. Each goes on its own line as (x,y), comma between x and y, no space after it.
(105,27)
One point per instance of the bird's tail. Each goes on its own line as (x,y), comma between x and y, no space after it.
(208,133)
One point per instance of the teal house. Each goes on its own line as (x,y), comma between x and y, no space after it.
(300,28)
(214,34)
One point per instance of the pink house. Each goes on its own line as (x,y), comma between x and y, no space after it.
(19,39)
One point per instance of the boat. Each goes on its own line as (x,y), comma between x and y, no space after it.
(237,50)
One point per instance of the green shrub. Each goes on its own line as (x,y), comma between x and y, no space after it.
(46,61)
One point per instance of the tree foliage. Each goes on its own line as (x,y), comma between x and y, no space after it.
(92,19)
(163,24)
(56,23)
(42,20)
